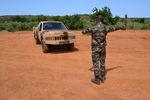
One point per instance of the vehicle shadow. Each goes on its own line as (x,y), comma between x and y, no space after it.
(58,50)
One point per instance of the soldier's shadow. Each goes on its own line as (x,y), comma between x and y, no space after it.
(109,69)
(113,68)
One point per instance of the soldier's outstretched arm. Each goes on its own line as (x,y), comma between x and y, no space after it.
(112,28)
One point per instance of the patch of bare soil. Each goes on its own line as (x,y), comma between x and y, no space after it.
(28,74)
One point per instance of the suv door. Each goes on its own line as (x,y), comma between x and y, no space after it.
(40,31)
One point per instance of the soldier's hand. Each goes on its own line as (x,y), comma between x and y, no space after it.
(85,30)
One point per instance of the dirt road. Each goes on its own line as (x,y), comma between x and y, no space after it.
(28,74)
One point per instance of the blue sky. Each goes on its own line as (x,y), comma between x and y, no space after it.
(133,8)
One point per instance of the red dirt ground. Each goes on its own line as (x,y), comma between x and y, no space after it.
(28,74)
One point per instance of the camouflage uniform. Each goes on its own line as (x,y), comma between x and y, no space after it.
(99,33)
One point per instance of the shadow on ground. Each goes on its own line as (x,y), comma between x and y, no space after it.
(58,50)
(113,68)
(109,69)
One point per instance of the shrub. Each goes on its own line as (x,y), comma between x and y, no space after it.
(145,26)
(2,26)
(10,28)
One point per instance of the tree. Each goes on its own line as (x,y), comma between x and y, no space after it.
(106,13)
(126,17)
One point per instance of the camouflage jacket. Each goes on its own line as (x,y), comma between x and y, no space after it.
(99,33)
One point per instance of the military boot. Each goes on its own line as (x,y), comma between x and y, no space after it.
(96,80)
(102,76)
(102,79)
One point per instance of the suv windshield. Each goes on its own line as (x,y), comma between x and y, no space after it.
(53,26)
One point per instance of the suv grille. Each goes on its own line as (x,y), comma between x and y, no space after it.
(57,38)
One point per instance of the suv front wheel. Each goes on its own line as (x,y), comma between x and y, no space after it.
(45,47)
(71,46)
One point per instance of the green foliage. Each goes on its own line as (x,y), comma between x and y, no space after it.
(19,23)
(2,26)
(17,26)
(56,18)
(41,18)
(73,22)
(115,20)
(106,13)
(135,23)
(19,19)
(140,20)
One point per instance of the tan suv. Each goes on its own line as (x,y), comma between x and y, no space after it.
(50,33)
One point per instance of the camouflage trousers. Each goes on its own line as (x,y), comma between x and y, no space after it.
(98,59)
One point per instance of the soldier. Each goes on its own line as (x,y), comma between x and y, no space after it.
(99,33)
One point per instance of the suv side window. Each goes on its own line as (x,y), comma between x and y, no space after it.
(40,27)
